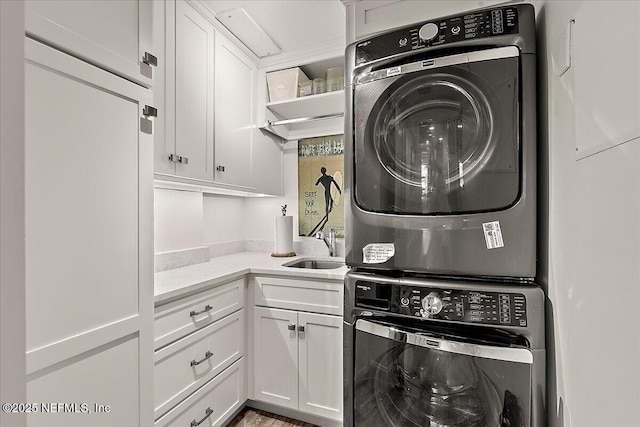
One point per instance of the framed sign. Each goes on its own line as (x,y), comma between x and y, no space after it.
(320,181)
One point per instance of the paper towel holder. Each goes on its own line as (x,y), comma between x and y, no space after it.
(287,222)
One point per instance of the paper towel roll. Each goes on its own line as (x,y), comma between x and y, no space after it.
(284,235)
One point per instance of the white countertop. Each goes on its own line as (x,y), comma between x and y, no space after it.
(170,284)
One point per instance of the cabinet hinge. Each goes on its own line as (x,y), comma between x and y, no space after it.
(150,111)
(149,59)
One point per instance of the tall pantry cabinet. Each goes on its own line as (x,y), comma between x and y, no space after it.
(89,209)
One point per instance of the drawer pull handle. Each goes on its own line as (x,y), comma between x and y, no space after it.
(300,328)
(207,356)
(291,327)
(206,308)
(195,423)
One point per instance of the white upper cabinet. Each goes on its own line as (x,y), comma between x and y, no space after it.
(114,35)
(206,100)
(194,73)
(234,99)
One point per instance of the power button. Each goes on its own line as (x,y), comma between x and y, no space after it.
(404,301)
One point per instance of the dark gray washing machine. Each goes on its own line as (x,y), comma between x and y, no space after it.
(433,352)
(440,144)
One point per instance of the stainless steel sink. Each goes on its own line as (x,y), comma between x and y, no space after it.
(316,264)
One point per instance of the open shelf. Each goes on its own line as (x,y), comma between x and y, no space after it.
(310,108)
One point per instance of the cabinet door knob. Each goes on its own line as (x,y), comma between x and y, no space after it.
(301,328)
(183,160)
(173,158)
(291,327)
(220,168)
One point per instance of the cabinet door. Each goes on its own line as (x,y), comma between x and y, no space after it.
(104,377)
(276,357)
(194,45)
(164,91)
(267,164)
(111,34)
(320,359)
(234,100)
(89,205)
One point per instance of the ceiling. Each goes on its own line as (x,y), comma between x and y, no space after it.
(294,25)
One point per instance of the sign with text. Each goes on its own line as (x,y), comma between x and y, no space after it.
(320,181)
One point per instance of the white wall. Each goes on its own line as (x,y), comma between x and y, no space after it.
(12,259)
(590,267)
(223,219)
(178,220)
(186,219)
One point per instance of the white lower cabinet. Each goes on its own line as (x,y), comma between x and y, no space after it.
(213,404)
(199,372)
(182,367)
(276,356)
(297,355)
(179,318)
(320,365)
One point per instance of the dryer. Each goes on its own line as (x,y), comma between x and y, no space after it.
(440,147)
(434,352)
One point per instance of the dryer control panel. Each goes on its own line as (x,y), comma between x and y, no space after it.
(460,305)
(485,23)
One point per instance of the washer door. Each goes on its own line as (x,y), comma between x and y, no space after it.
(408,378)
(439,136)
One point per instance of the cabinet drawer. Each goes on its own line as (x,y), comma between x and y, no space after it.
(179,318)
(217,400)
(295,294)
(184,366)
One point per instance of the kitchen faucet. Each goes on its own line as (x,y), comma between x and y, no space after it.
(331,242)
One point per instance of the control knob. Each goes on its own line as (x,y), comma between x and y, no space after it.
(431,305)
(428,31)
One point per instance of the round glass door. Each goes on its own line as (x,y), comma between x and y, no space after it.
(433,132)
(440,141)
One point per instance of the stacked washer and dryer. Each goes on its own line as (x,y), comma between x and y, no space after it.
(444,324)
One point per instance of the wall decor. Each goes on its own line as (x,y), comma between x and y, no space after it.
(320,182)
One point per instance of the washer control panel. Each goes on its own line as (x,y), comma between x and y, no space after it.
(460,305)
(485,23)
(472,306)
